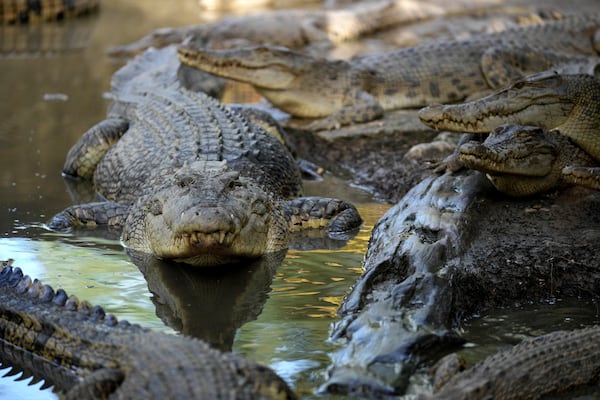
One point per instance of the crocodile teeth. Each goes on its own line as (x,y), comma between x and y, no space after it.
(195,238)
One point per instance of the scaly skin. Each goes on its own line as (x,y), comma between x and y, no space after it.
(537,367)
(524,160)
(87,354)
(568,103)
(189,179)
(24,12)
(341,92)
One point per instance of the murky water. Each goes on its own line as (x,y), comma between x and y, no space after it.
(47,102)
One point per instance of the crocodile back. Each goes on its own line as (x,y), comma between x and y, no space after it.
(170,126)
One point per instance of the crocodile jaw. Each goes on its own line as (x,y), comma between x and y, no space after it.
(266,67)
(539,100)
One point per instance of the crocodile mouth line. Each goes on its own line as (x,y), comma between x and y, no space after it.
(493,163)
(204,239)
(203,59)
(478,120)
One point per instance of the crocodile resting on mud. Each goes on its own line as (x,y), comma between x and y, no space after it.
(568,103)
(313,30)
(88,354)
(341,92)
(31,11)
(189,179)
(524,160)
(85,353)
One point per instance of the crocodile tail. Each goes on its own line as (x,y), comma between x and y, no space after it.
(30,314)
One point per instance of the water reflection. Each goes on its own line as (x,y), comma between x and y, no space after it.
(208,304)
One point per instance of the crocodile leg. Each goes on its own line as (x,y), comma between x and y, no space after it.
(319,212)
(359,107)
(88,151)
(584,176)
(90,215)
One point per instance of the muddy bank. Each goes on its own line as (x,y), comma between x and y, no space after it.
(381,156)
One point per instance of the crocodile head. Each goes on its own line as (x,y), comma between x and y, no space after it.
(269,67)
(546,100)
(518,160)
(206,215)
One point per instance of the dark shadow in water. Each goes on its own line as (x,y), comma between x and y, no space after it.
(46,39)
(210,304)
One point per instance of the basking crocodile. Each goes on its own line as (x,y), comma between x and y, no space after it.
(299,28)
(87,354)
(523,160)
(341,92)
(568,103)
(534,368)
(30,11)
(188,179)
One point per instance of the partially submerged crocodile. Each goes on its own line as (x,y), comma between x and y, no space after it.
(523,160)
(85,353)
(31,11)
(298,28)
(568,103)
(341,92)
(191,180)
(534,368)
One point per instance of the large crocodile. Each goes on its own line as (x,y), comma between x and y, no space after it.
(30,11)
(523,160)
(359,90)
(87,354)
(189,179)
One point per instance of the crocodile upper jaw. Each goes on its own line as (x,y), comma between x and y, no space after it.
(267,67)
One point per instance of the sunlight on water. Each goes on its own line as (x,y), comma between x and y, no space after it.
(289,334)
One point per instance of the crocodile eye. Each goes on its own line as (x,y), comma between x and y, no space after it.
(155,207)
(519,85)
(185,181)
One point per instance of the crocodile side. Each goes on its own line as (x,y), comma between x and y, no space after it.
(536,367)
(339,92)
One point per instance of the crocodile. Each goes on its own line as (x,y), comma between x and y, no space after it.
(338,92)
(188,179)
(536,367)
(298,28)
(569,103)
(524,160)
(88,354)
(33,11)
